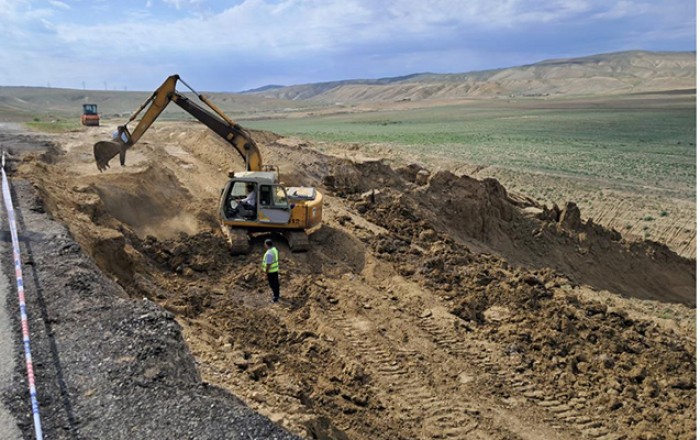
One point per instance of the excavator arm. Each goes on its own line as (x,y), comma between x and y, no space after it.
(218,122)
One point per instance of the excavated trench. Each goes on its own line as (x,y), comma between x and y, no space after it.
(430,305)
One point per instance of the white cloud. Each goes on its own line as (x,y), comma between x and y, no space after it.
(12,10)
(310,36)
(59,4)
(179,4)
(288,28)
(623,9)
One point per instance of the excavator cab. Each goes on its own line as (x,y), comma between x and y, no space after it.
(256,197)
(275,210)
(270,206)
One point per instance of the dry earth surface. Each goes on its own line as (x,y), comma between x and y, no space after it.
(481,315)
(106,365)
(637,213)
(612,73)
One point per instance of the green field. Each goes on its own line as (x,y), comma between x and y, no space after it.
(54,125)
(623,146)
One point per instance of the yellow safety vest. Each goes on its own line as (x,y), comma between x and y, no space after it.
(275,266)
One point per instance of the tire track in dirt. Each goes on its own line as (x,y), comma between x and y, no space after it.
(445,416)
(486,357)
(439,406)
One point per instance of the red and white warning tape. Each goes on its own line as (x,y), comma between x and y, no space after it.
(22,304)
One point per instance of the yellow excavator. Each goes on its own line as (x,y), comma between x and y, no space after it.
(253,200)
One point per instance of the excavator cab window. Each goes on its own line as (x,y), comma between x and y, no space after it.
(279,199)
(237,205)
(265,195)
(273,196)
(274,206)
(238,190)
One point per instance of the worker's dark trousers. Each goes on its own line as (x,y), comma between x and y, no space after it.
(274,280)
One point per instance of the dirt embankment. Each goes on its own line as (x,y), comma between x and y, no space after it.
(106,365)
(430,305)
(483,216)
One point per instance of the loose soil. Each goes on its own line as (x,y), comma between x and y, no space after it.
(639,213)
(106,365)
(431,305)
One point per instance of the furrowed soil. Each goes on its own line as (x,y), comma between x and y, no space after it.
(431,305)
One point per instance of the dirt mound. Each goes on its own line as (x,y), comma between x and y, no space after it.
(431,297)
(481,215)
(579,349)
(160,199)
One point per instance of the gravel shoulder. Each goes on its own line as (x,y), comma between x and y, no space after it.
(108,366)
(8,348)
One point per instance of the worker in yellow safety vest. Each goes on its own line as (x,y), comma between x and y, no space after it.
(271,266)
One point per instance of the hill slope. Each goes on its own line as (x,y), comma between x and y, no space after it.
(622,72)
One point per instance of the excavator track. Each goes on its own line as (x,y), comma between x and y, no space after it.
(238,239)
(298,241)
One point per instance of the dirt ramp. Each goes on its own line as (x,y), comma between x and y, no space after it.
(599,257)
(554,342)
(152,202)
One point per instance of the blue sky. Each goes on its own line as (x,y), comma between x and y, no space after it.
(218,45)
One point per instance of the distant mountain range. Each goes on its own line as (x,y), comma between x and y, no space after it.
(620,72)
(613,73)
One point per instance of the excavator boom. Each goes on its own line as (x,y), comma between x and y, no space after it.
(218,122)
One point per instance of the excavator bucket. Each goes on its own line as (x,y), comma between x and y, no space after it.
(106,150)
